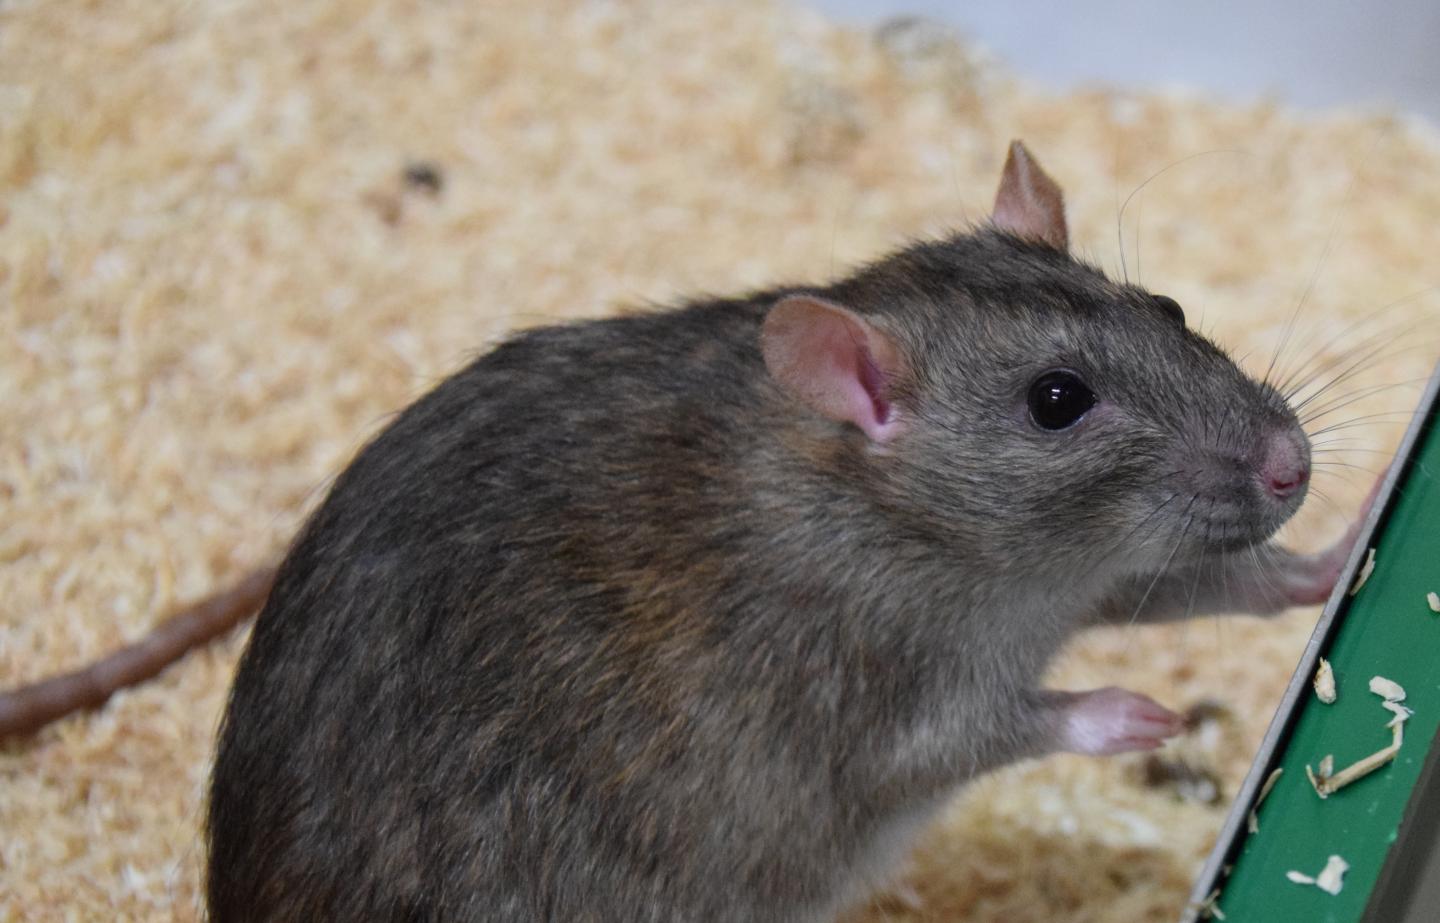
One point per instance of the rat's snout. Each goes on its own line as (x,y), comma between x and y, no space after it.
(1243,497)
(1284,466)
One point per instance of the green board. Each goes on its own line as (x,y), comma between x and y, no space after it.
(1387,629)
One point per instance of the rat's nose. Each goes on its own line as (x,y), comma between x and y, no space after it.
(1285,469)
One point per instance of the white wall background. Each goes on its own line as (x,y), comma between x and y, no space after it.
(1309,53)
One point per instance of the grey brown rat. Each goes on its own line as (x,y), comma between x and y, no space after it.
(700,615)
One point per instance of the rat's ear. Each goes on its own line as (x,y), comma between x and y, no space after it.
(833,361)
(1029,203)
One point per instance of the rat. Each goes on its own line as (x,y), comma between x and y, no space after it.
(702,614)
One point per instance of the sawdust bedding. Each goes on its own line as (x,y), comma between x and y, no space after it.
(216,279)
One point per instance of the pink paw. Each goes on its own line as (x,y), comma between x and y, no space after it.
(1312,583)
(1111,720)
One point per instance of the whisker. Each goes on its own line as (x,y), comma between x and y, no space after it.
(1225,594)
(1343,447)
(1124,539)
(1369,354)
(1324,348)
(1263,576)
(1382,418)
(1120,219)
(1373,357)
(1345,400)
(1340,464)
(1120,216)
(1314,277)
(1371,350)
(1165,567)
(1349,479)
(1325,498)
(1139,214)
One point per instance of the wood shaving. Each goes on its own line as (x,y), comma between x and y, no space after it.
(1387,689)
(1330,879)
(1208,909)
(1401,713)
(1325,682)
(1366,570)
(1326,782)
(1252,821)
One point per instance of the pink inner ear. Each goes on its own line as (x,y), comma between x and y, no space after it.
(873,380)
(833,361)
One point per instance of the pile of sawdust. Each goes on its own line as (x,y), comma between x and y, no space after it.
(215,282)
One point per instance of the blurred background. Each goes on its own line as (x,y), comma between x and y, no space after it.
(1312,53)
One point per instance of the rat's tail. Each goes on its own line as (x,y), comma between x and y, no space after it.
(26,709)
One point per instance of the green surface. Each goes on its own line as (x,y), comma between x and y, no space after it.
(1387,630)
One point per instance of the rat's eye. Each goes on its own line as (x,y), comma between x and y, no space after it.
(1172,307)
(1059,399)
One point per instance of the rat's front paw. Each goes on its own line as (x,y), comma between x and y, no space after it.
(1275,579)
(1111,720)
(1311,580)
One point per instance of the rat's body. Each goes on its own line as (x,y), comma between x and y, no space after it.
(664,618)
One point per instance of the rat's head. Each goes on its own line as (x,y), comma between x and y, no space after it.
(1013,400)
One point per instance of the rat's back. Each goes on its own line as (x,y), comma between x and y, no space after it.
(451,706)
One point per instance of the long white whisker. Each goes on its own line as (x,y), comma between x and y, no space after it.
(1350,328)
(1310,285)
(1345,400)
(1165,567)
(1371,358)
(1387,418)
(1331,463)
(1322,361)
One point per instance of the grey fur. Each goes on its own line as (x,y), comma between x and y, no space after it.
(608,628)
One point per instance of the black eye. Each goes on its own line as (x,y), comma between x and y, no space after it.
(1172,307)
(1059,399)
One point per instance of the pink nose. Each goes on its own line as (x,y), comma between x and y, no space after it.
(1285,468)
